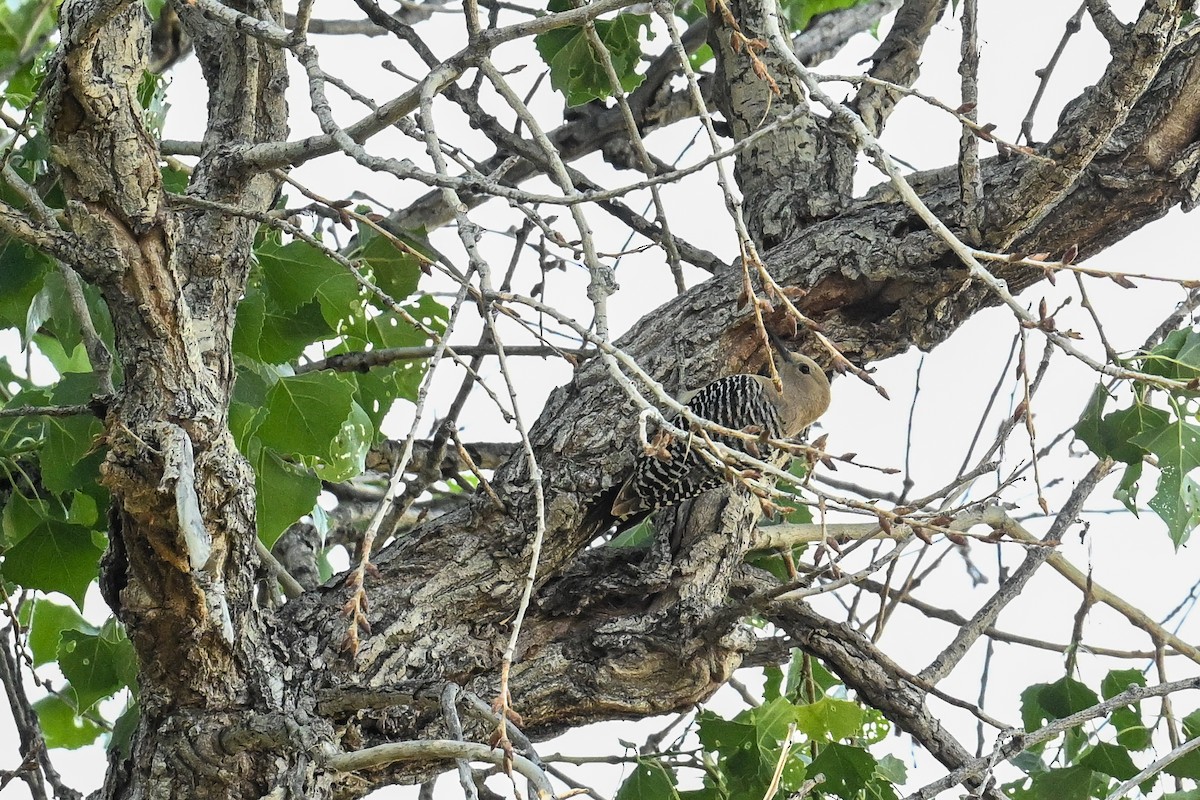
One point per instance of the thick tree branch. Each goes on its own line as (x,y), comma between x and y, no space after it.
(878,680)
(889,285)
(897,60)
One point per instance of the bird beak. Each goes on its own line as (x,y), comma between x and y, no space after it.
(780,347)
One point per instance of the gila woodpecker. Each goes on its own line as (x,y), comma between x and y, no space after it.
(741,402)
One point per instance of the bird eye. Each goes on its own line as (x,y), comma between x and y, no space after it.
(805,369)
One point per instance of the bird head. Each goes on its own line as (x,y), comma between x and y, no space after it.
(805,394)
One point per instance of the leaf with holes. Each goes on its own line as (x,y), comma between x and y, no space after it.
(97,665)
(1177,497)
(305,413)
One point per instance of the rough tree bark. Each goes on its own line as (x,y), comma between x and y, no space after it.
(239,701)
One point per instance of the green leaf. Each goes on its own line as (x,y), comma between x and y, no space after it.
(174,180)
(892,769)
(1178,357)
(795,673)
(285,492)
(1043,702)
(750,747)
(771,721)
(773,683)
(846,769)
(248,326)
(286,335)
(799,13)
(1128,489)
(1132,732)
(377,390)
(22,273)
(725,736)
(84,510)
(1125,427)
(1109,759)
(1186,766)
(264,333)
(60,358)
(152,97)
(392,330)
(123,729)
(875,727)
(305,414)
(830,719)
(1191,724)
(576,71)
(395,271)
(1089,430)
(1118,680)
(1072,783)
(97,666)
(244,420)
(1066,696)
(1112,435)
(650,780)
(55,557)
(71,454)
(21,515)
(1177,497)
(350,447)
(639,535)
(62,727)
(296,273)
(59,319)
(45,629)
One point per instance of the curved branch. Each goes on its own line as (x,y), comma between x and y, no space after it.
(440,749)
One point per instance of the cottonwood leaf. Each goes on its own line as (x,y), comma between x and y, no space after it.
(1132,732)
(286,335)
(124,728)
(1066,696)
(54,557)
(350,447)
(830,719)
(846,769)
(295,273)
(305,414)
(799,13)
(284,493)
(892,769)
(1109,759)
(20,516)
(650,780)
(22,273)
(394,270)
(62,727)
(1071,783)
(97,665)
(1177,357)
(575,69)
(46,626)
(1177,497)
(1111,435)
(71,454)
(1188,765)
(248,325)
